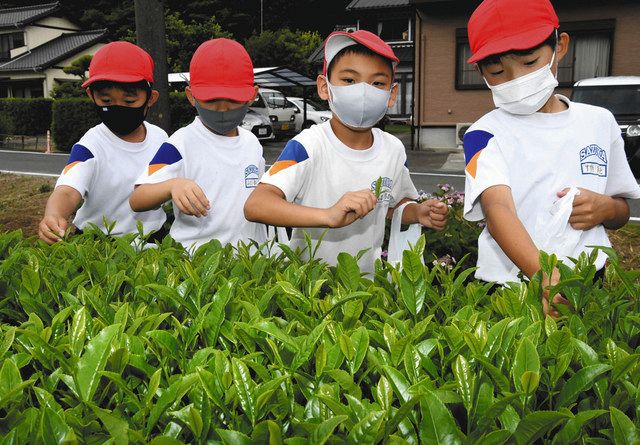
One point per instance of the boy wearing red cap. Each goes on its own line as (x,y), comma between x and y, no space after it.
(326,175)
(209,167)
(104,164)
(524,155)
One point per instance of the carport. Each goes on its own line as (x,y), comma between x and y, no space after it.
(269,77)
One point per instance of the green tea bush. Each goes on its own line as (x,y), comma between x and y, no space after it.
(102,343)
(28,117)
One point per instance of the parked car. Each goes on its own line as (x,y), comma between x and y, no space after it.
(275,106)
(621,96)
(259,125)
(317,113)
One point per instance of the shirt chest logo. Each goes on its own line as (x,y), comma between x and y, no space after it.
(385,189)
(251,176)
(593,161)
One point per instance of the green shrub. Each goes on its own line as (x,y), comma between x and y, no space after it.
(71,119)
(29,117)
(101,343)
(182,112)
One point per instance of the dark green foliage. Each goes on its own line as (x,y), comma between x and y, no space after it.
(71,119)
(182,112)
(101,342)
(68,89)
(283,48)
(29,117)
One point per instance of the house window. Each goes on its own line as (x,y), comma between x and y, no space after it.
(589,55)
(389,30)
(467,77)
(394,29)
(8,42)
(402,107)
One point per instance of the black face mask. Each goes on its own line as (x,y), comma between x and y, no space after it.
(122,120)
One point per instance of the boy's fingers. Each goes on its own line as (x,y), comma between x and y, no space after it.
(196,203)
(201,197)
(184,205)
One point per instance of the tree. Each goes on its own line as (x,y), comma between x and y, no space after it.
(79,66)
(183,38)
(283,48)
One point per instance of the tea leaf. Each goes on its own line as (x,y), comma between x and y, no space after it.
(323,432)
(624,431)
(438,425)
(378,187)
(93,361)
(579,382)
(536,425)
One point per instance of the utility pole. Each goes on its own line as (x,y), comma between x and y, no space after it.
(150,34)
(261,17)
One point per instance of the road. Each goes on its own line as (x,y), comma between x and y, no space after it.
(440,168)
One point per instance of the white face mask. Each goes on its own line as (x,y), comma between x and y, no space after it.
(526,94)
(360,105)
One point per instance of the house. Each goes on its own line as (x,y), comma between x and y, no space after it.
(35,44)
(449,94)
(392,20)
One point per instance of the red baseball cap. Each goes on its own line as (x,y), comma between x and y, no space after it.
(339,40)
(497,26)
(120,62)
(221,69)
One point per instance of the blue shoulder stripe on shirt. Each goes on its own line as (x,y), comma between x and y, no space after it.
(293,151)
(167,154)
(474,141)
(79,153)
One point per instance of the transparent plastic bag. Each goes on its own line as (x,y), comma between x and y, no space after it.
(401,240)
(555,234)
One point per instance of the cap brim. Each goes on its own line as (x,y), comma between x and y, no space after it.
(239,94)
(524,40)
(124,78)
(339,40)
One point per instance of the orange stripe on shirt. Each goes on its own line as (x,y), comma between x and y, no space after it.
(281,165)
(472,165)
(155,167)
(68,167)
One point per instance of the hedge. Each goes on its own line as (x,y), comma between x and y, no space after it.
(73,117)
(29,117)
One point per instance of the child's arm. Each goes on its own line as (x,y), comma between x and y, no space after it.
(430,213)
(186,195)
(591,209)
(512,237)
(267,204)
(61,204)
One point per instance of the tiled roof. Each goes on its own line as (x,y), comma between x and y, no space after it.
(23,15)
(377,4)
(54,51)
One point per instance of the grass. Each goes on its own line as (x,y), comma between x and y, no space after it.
(23,200)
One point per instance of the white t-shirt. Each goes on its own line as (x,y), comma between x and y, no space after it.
(537,156)
(316,169)
(103,168)
(227,169)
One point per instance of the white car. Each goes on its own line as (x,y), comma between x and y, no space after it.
(317,113)
(274,106)
(259,125)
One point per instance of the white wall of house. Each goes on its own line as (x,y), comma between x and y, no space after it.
(37,35)
(55,73)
